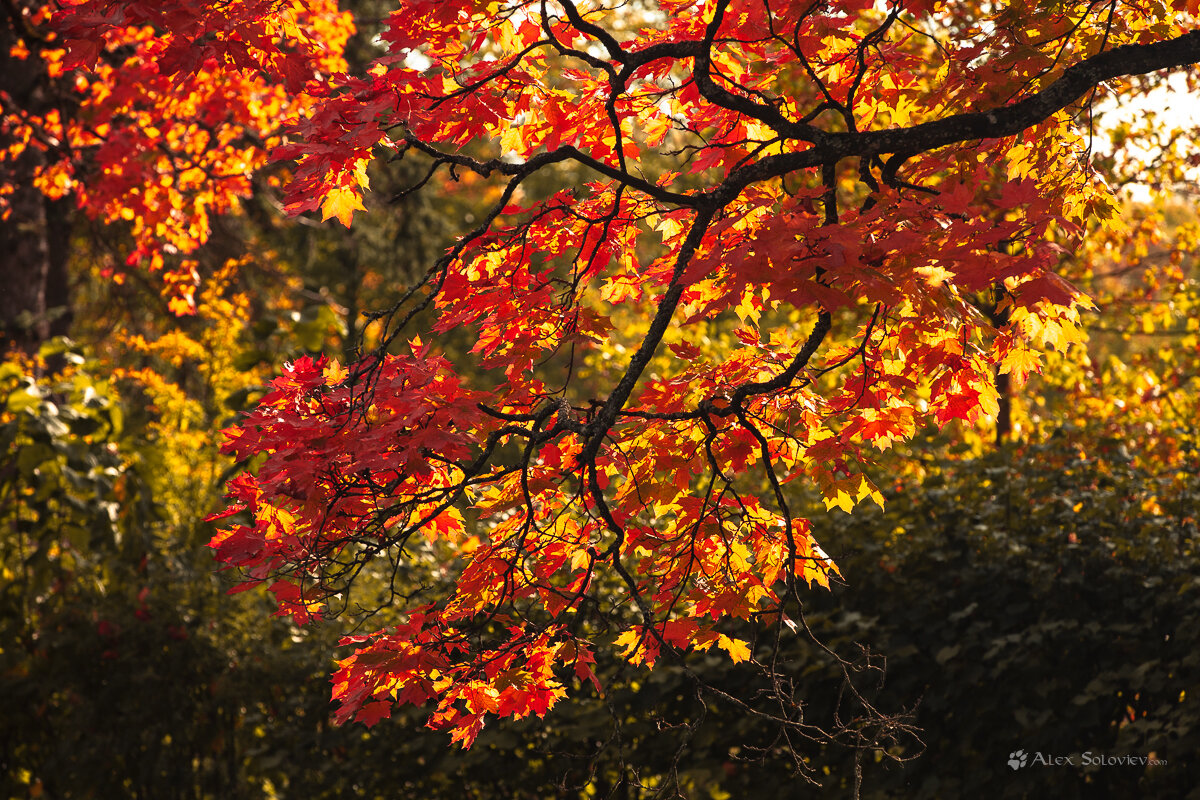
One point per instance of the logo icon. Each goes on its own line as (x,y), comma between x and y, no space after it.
(1018,759)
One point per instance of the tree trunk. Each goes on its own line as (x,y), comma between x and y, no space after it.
(35,236)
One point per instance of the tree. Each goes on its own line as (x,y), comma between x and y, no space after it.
(841,221)
(33,229)
(157,137)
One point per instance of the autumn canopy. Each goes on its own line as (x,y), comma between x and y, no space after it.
(827,225)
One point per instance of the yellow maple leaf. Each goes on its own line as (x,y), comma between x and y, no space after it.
(1019,362)
(580,559)
(341,202)
(628,641)
(335,373)
(842,499)
(738,650)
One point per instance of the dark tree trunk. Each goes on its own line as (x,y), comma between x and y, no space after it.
(1004,412)
(35,237)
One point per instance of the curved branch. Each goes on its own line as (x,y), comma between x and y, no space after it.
(1075,82)
(560,154)
(718,95)
(598,428)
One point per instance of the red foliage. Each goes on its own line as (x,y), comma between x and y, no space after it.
(878,193)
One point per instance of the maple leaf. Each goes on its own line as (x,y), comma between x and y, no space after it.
(341,202)
(371,713)
(738,651)
(1019,362)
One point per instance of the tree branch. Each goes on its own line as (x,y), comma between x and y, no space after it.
(1075,82)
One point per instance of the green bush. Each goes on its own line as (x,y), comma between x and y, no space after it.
(1048,603)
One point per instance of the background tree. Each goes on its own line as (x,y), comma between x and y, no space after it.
(670,375)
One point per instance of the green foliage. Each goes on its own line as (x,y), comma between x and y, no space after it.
(64,484)
(1045,601)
